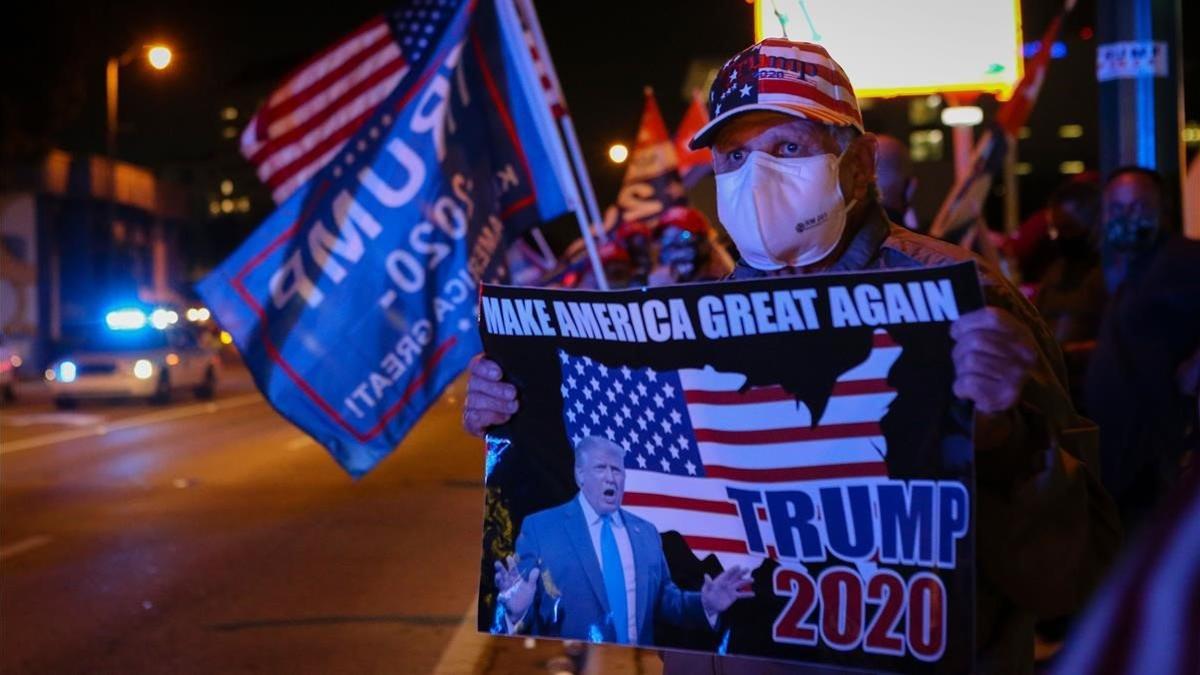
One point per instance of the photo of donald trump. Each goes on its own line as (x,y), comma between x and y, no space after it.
(589,570)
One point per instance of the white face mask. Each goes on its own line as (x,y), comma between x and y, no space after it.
(783,212)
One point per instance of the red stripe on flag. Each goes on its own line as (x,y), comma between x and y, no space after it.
(271,113)
(646,499)
(327,52)
(335,140)
(778,394)
(767,436)
(716,544)
(823,472)
(297,133)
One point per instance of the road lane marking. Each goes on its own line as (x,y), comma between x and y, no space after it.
(464,652)
(64,419)
(129,423)
(24,546)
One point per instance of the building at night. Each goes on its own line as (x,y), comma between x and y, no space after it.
(80,234)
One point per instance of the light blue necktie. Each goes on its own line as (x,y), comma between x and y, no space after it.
(614,579)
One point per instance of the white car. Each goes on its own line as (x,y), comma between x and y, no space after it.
(135,356)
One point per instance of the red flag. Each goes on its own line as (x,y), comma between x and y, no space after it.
(652,180)
(1012,115)
(693,164)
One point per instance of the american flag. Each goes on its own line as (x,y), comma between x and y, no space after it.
(689,434)
(318,109)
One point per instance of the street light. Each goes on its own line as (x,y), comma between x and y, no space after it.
(158,56)
(618,153)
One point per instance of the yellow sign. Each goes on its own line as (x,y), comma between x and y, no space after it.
(908,47)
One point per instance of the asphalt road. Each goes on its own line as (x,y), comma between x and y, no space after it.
(205,537)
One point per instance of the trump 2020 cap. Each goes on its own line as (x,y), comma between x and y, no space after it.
(794,78)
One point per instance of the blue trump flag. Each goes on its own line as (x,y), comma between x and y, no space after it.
(353,305)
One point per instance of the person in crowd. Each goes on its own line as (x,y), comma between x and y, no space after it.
(638,241)
(1071,296)
(686,249)
(896,182)
(589,543)
(1030,247)
(526,267)
(795,175)
(1138,387)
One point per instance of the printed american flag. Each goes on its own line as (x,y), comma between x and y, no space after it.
(691,433)
(319,107)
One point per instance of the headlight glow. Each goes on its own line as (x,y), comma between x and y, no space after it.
(67,371)
(161,318)
(143,369)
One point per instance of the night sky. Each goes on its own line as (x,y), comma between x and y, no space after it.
(605,52)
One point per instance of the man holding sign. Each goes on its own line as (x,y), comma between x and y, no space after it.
(795,189)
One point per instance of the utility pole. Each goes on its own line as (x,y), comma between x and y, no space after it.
(1139,69)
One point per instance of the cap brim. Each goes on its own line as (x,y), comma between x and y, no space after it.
(704,137)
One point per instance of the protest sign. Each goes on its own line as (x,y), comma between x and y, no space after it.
(802,428)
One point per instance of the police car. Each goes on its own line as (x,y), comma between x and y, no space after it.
(135,354)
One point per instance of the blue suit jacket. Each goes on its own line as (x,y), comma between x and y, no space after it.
(571,601)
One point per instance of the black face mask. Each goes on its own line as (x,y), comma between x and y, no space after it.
(1130,233)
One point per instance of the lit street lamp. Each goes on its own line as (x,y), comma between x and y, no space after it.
(618,153)
(158,56)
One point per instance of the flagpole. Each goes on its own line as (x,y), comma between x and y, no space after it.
(543,247)
(568,126)
(510,23)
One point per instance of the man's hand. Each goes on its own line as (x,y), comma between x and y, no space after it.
(489,401)
(516,591)
(718,594)
(993,354)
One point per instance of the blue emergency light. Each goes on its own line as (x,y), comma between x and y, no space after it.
(126,319)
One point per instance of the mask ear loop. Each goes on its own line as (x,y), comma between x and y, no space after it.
(849,204)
